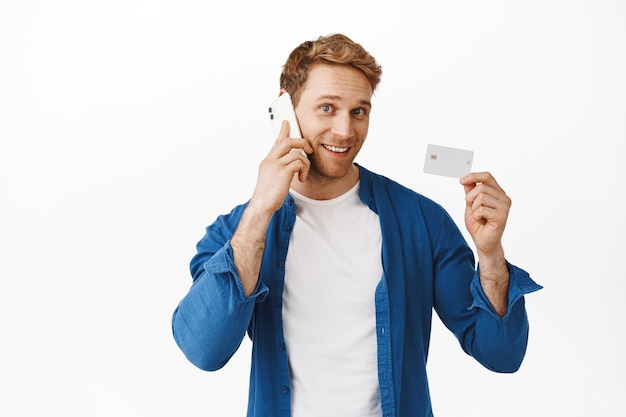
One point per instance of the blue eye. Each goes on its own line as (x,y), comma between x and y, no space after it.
(326,108)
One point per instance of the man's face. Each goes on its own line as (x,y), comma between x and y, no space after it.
(333,113)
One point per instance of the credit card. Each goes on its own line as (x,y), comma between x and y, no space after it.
(450,162)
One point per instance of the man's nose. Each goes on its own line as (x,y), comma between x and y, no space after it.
(342,126)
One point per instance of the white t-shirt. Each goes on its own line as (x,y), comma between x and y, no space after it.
(332,269)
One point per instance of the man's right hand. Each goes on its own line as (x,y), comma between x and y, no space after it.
(277,170)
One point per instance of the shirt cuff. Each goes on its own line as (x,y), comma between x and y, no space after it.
(520,284)
(222,263)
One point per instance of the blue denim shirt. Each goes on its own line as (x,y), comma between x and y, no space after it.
(427,266)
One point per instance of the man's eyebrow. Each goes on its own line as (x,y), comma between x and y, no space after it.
(333,97)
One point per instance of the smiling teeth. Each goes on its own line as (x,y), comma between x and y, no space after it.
(336,149)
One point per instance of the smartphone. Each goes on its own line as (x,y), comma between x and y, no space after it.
(282,109)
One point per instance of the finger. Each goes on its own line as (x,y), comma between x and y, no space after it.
(283,135)
(280,144)
(297,162)
(490,210)
(485,193)
(284,129)
(468,187)
(284,145)
(501,203)
(293,155)
(301,167)
(470,180)
(483,215)
(304,172)
(487,208)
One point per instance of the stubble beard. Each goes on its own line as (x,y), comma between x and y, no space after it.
(325,172)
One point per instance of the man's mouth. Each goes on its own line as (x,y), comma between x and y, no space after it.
(335,149)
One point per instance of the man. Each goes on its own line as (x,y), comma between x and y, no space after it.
(334,271)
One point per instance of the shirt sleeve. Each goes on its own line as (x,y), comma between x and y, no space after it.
(500,342)
(211,320)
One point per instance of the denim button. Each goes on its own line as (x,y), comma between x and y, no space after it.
(285,389)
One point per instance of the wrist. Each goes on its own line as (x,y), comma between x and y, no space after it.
(492,263)
(256,215)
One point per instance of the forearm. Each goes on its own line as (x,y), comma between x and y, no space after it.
(211,320)
(494,280)
(248,244)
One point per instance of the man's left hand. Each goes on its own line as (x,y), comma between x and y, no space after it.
(486,211)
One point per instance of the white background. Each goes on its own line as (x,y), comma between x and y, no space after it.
(126,127)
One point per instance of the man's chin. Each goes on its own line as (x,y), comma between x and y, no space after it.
(331,171)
